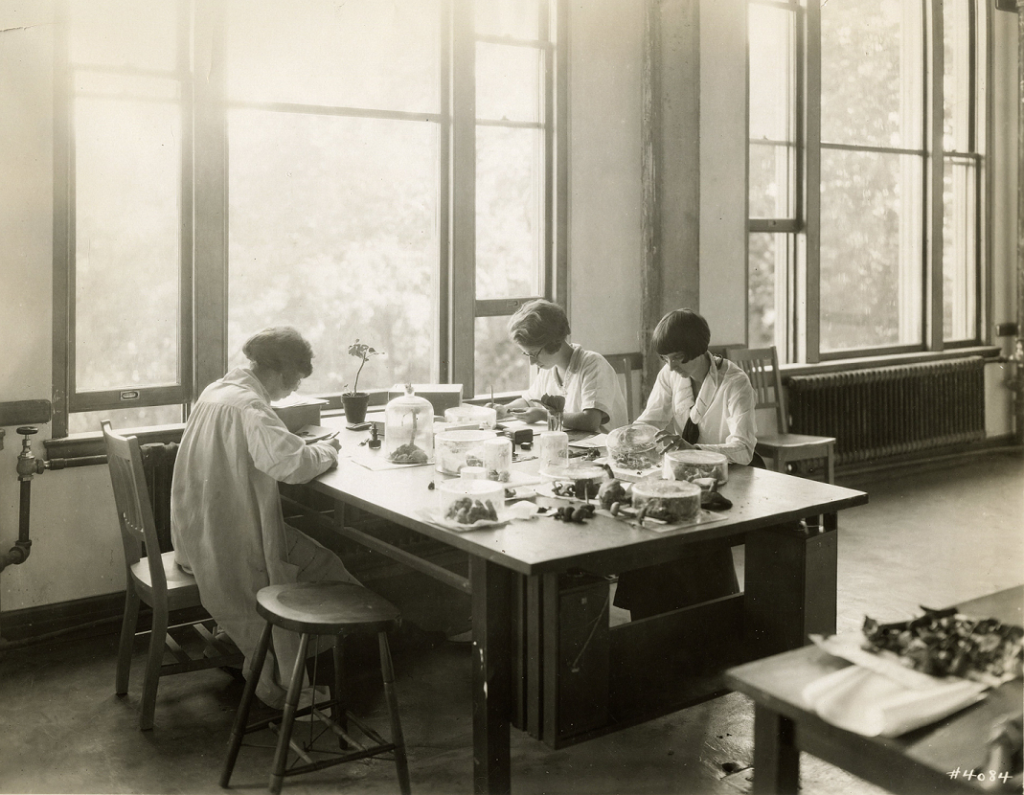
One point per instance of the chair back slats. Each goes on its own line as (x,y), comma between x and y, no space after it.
(625,365)
(134,511)
(762,368)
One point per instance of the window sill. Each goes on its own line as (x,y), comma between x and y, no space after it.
(87,445)
(990,352)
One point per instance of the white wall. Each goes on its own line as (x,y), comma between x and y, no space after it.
(75,545)
(605,190)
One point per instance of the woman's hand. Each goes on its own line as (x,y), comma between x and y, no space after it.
(531,414)
(667,442)
(334,442)
(500,409)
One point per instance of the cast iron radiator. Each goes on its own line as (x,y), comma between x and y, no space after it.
(890,411)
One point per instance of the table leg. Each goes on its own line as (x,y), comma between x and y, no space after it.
(492,675)
(776,759)
(789,588)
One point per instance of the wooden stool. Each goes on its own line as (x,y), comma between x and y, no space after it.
(321,609)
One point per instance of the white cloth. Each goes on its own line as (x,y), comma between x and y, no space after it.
(226,522)
(723,410)
(589,383)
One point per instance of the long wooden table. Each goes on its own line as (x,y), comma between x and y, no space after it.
(935,759)
(523,581)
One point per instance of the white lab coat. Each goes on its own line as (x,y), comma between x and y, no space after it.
(723,410)
(589,383)
(226,522)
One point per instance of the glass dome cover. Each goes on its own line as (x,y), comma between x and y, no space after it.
(409,429)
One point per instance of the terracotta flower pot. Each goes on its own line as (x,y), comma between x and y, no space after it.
(355,406)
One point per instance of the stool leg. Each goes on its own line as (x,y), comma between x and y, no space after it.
(340,696)
(242,717)
(288,717)
(397,738)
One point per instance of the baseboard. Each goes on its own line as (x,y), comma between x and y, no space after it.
(928,459)
(100,612)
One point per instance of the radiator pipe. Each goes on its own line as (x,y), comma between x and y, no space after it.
(28,466)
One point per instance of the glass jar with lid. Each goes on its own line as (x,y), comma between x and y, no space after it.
(409,429)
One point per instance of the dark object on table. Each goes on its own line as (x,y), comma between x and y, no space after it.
(358,426)
(945,643)
(374,443)
(714,501)
(579,514)
(521,437)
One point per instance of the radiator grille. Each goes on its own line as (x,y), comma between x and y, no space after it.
(889,411)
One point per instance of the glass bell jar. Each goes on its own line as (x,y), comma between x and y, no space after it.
(409,429)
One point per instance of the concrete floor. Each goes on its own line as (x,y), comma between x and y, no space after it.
(932,537)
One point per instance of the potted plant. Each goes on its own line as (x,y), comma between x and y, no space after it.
(355,402)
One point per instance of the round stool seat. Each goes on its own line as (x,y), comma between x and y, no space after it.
(325,608)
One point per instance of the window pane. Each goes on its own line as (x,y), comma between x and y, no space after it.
(381,54)
(334,231)
(772,73)
(499,364)
(509,83)
(516,18)
(120,419)
(960,248)
(124,33)
(127,218)
(766,288)
(872,73)
(772,112)
(509,211)
(956,82)
(871,250)
(772,173)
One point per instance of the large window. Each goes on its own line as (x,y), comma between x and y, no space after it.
(865,176)
(383,170)
(127,232)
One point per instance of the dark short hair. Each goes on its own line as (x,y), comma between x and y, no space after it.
(681,331)
(539,323)
(280,348)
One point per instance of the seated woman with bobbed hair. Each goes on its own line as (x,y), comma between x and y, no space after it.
(593,399)
(226,522)
(698,401)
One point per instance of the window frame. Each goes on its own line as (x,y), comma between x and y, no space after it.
(204,263)
(798,334)
(66,397)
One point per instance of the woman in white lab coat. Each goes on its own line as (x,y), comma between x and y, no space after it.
(699,401)
(226,522)
(593,399)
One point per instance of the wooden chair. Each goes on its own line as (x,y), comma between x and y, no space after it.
(155,579)
(334,609)
(625,365)
(782,447)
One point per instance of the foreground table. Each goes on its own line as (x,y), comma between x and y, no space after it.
(932,759)
(522,582)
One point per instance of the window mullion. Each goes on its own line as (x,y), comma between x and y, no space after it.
(210,175)
(462,291)
(806,317)
(933,204)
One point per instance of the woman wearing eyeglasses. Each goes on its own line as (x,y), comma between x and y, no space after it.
(698,401)
(593,399)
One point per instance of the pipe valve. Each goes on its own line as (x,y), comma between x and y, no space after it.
(28,464)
